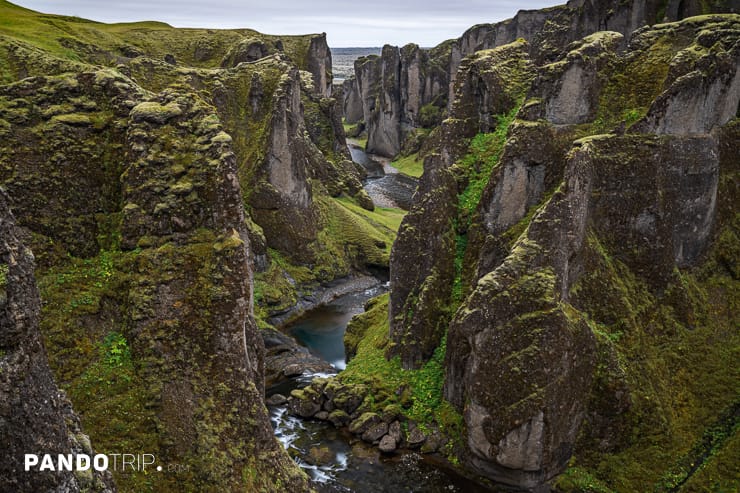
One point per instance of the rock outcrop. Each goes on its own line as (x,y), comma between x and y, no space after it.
(35,416)
(605,157)
(318,62)
(428,76)
(421,288)
(172,198)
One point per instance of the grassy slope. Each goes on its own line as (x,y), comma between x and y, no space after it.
(156,39)
(409,165)
(350,233)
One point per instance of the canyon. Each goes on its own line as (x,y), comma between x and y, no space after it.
(562,305)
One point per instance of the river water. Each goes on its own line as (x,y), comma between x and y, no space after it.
(385,185)
(334,459)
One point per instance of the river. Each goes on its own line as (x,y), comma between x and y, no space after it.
(385,185)
(334,459)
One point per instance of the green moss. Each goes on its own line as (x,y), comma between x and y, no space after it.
(361,237)
(417,393)
(483,155)
(677,350)
(155,112)
(3,276)
(461,245)
(720,472)
(73,119)
(430,115)
(634,85)
(580,480)
(383,218)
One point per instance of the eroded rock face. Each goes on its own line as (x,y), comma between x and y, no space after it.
(35,416)
(421,286)
(570,88)
(180,217)
(492,340)
(702,89)
(422,267)
(101,97)
(548,33)
(383,122)
(318,62)
(490,83)
(282,201)
(247,50)
(522,358)
(351,101)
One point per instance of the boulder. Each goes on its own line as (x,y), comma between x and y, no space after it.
(387,444)
(365,422)
(375,432)
(339,418)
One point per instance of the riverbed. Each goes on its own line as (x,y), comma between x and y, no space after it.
(334,459)
(385,185)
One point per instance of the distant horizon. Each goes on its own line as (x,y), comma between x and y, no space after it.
(426,23)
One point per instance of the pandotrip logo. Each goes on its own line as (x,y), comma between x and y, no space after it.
(82,462)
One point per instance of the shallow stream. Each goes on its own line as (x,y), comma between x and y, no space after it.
(336,460)
(385,185)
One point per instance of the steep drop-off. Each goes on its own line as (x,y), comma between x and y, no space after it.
(155,172)
(35,416)
(403,90)
(579,235)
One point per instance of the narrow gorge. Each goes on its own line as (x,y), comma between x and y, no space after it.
(508,262)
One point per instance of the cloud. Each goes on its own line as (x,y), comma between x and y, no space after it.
(425,22)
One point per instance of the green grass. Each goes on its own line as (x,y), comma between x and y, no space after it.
(52,32)
(384,217)
(410,165)
(351,237)
(482,157)
(348,127)
(418,393)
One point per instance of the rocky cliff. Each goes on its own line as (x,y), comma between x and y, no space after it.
(37,418)
(146,189)
(156,173)
(582,206)
(392,105)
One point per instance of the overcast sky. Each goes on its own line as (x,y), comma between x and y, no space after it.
(425,22)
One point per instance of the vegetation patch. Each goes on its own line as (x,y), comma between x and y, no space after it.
(677,350)
(483,155)
(417,393)
(351,237)
(410,165)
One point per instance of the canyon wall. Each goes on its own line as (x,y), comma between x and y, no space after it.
(391,104)
(154,174)
(581,201)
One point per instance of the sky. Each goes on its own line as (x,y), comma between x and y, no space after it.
(347,24)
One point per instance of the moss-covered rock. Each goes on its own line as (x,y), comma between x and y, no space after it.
(33,411)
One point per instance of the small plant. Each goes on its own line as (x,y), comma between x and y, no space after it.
(430,116)
(3,275)
(115,350)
